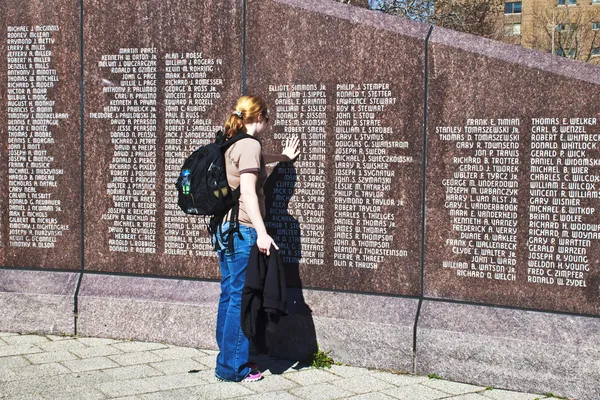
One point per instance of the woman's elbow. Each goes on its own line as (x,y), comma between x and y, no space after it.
(248,192)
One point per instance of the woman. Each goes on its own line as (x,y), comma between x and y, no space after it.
(245,164)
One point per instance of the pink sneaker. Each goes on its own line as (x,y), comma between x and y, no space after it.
(253,376)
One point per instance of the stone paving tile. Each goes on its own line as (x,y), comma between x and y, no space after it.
(32,385)
(321,391)
(452,387)
(33,396)
(100,376)
(126,398)
(400,379)
(311,376)
(25,340)
(126,387)
(498,394)
(76,379)
(7,375)
(50,356)
(67,345)
(88,341)
(271,396)
(273,383)
(175,353)
(348,372)
(209,361)
(39,371)
(177,394)
(14,362)
(130,347)
(469,396)
(80,393)
(96,351)
(56,338)
(178,366)
(89,364)
(57,383)
(364,384)
(371,396)
(415,392)
(16,388)
(223,390)
(7,334)
(132,372)
(206,352)
(207,375)
(177,381)
(140,357)
(8,350)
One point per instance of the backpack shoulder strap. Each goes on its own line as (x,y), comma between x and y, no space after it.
(228,142)
(216,220)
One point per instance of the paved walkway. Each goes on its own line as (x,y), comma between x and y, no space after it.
(50,367)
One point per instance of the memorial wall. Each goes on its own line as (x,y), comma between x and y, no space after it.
(40,212)
(513,181)
(158,84)
(348,211)
(512,178)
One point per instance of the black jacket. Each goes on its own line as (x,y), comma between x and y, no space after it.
(263,297)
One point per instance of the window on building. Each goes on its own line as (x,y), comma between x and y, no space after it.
(514,7)
(512,29)
(595,51)
(569,53)
(569,2)
(596,26)
(566,27)
(596,1)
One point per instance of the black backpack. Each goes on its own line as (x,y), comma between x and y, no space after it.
(202,184)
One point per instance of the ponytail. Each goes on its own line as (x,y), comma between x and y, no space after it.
(234,125)
(247,109)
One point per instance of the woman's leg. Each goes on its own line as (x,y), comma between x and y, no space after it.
(232,361)
(224,298)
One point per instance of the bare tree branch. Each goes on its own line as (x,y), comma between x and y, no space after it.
(565,31)
(478,17)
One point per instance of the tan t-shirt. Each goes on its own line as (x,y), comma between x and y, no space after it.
(245,156)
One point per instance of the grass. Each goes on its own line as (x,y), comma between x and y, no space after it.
(322,359)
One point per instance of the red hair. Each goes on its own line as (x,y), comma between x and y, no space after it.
(247,110)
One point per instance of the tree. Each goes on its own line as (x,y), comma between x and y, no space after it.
(477,17)
(566,32)
(415,10)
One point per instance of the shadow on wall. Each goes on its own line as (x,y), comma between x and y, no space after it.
(294,339)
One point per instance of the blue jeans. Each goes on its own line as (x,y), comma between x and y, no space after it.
(234,347)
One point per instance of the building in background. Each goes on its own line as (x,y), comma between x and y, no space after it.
(568,28)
